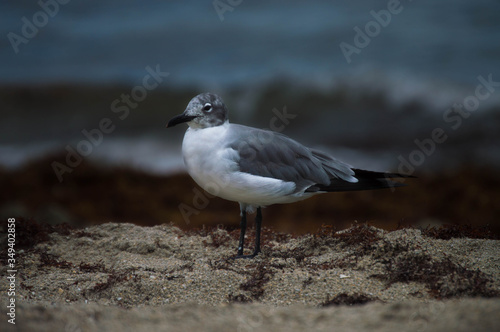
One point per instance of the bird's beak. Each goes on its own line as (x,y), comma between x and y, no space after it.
(180,119)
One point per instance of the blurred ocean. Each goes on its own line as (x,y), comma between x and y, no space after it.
(63,67)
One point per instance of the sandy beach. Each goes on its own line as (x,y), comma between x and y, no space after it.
(134,278)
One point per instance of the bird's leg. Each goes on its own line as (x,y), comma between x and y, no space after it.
(258,224)
(243,227)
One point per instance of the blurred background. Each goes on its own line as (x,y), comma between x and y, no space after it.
(87,87)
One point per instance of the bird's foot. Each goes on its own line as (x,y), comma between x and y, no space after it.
(246,256)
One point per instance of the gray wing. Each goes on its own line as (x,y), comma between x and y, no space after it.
(270,154)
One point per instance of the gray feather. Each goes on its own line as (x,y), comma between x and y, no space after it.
(270,154)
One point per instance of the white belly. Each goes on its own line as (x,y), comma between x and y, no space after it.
(215,168)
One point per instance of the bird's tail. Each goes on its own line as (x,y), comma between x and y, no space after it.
(367,180)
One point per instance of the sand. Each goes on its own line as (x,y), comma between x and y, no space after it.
(133,278)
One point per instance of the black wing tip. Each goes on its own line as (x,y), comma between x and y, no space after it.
(337,185)
(367,180)
(361,173)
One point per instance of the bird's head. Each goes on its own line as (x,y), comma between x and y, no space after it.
(203,111)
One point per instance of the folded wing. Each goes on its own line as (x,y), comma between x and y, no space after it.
(270,154)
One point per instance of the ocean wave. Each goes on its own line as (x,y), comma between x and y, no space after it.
(370,118)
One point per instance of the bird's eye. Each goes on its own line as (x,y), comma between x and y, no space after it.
(207,107)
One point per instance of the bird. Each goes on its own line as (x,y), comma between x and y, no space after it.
(258,167)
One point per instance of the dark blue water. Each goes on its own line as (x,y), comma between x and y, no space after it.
(423,57)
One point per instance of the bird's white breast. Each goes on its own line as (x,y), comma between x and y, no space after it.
(205,157)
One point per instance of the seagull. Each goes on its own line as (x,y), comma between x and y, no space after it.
(257,167)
